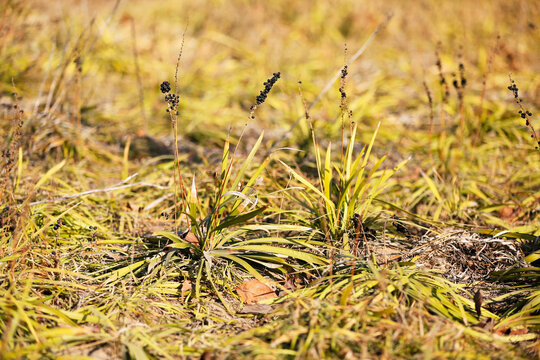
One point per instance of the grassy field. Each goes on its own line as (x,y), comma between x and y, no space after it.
(265,180)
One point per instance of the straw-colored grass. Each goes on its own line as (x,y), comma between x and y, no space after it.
(384,185)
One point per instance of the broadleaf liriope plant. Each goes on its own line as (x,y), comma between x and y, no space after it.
(349,192)
(345,198)
(225,233)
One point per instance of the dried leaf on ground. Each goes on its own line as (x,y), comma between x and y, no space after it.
(253,291)
(191,238)
(186,286)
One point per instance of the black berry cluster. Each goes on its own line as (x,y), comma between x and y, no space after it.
(459,84)
(462,74)
(16,107)
(58,224)
(268,84)
(7,155)
(344,72)
(165,87)
(513,88)
(343,94)
(171,99)
(78,62)
(445,91)
(523,113)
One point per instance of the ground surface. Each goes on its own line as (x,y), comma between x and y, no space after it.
(386,209)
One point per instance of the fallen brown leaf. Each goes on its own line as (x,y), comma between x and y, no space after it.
(253,291)
(519,331)
(186,286)
(191,238)
(508,213)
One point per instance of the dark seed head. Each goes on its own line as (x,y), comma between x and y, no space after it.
(165,87)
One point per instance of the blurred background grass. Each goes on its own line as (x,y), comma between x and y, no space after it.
(232,47)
